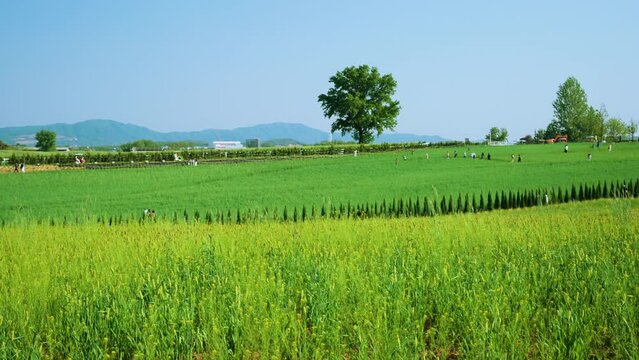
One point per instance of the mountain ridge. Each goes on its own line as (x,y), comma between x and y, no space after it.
(101,132)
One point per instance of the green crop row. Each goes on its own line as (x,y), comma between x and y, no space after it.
(556,282)
(412,207)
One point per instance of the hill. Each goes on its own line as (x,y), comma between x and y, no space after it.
(108,132)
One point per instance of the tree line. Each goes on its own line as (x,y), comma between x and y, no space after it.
(574,117)
(92,157)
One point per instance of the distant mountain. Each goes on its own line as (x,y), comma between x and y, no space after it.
(109,132)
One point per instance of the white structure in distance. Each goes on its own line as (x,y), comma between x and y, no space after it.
(222,145)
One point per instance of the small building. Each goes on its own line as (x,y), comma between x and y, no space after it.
(225,145)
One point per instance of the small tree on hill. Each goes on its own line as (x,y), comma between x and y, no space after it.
(632,129)
(497,134)
(540,135)
(46,140)
(615,128)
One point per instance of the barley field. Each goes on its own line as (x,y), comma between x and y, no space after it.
(546,282)
(328,181)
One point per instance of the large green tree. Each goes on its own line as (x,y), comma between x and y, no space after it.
(571,109)
(361,103)
(46,140)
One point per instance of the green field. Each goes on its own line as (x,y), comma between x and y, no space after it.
(307,182)
(548,282)
(558,281)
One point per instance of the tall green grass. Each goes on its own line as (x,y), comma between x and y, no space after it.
(550,282)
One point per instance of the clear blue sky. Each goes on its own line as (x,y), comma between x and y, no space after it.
(461,66)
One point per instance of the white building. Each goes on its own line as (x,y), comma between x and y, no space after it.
(222,145)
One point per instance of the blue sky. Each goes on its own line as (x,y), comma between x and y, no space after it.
(461,66)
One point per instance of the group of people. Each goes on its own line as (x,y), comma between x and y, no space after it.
(472,155)
(79,161)
(19,168)
(589,156)
(149,214)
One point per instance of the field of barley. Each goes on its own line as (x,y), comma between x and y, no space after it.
(546,282)
(334,180)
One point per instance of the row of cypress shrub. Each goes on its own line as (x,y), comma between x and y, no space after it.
(422,206)
(395,208)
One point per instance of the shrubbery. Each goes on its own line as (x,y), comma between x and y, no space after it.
(210,154)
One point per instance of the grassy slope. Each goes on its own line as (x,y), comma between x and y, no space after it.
(367,178)
(551,282)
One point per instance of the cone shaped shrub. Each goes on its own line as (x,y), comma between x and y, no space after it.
(466,203)
(504,200)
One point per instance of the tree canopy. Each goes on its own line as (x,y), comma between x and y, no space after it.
(615,128)
(46,140)
(361,102)
(571,110)
(497,134)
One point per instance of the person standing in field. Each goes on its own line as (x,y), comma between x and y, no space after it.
(566,149)
(519,158)
(589,157)
(22,167)
(512,158)
(609,147)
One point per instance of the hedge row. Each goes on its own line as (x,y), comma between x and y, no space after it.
(395,208)
(210,154)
